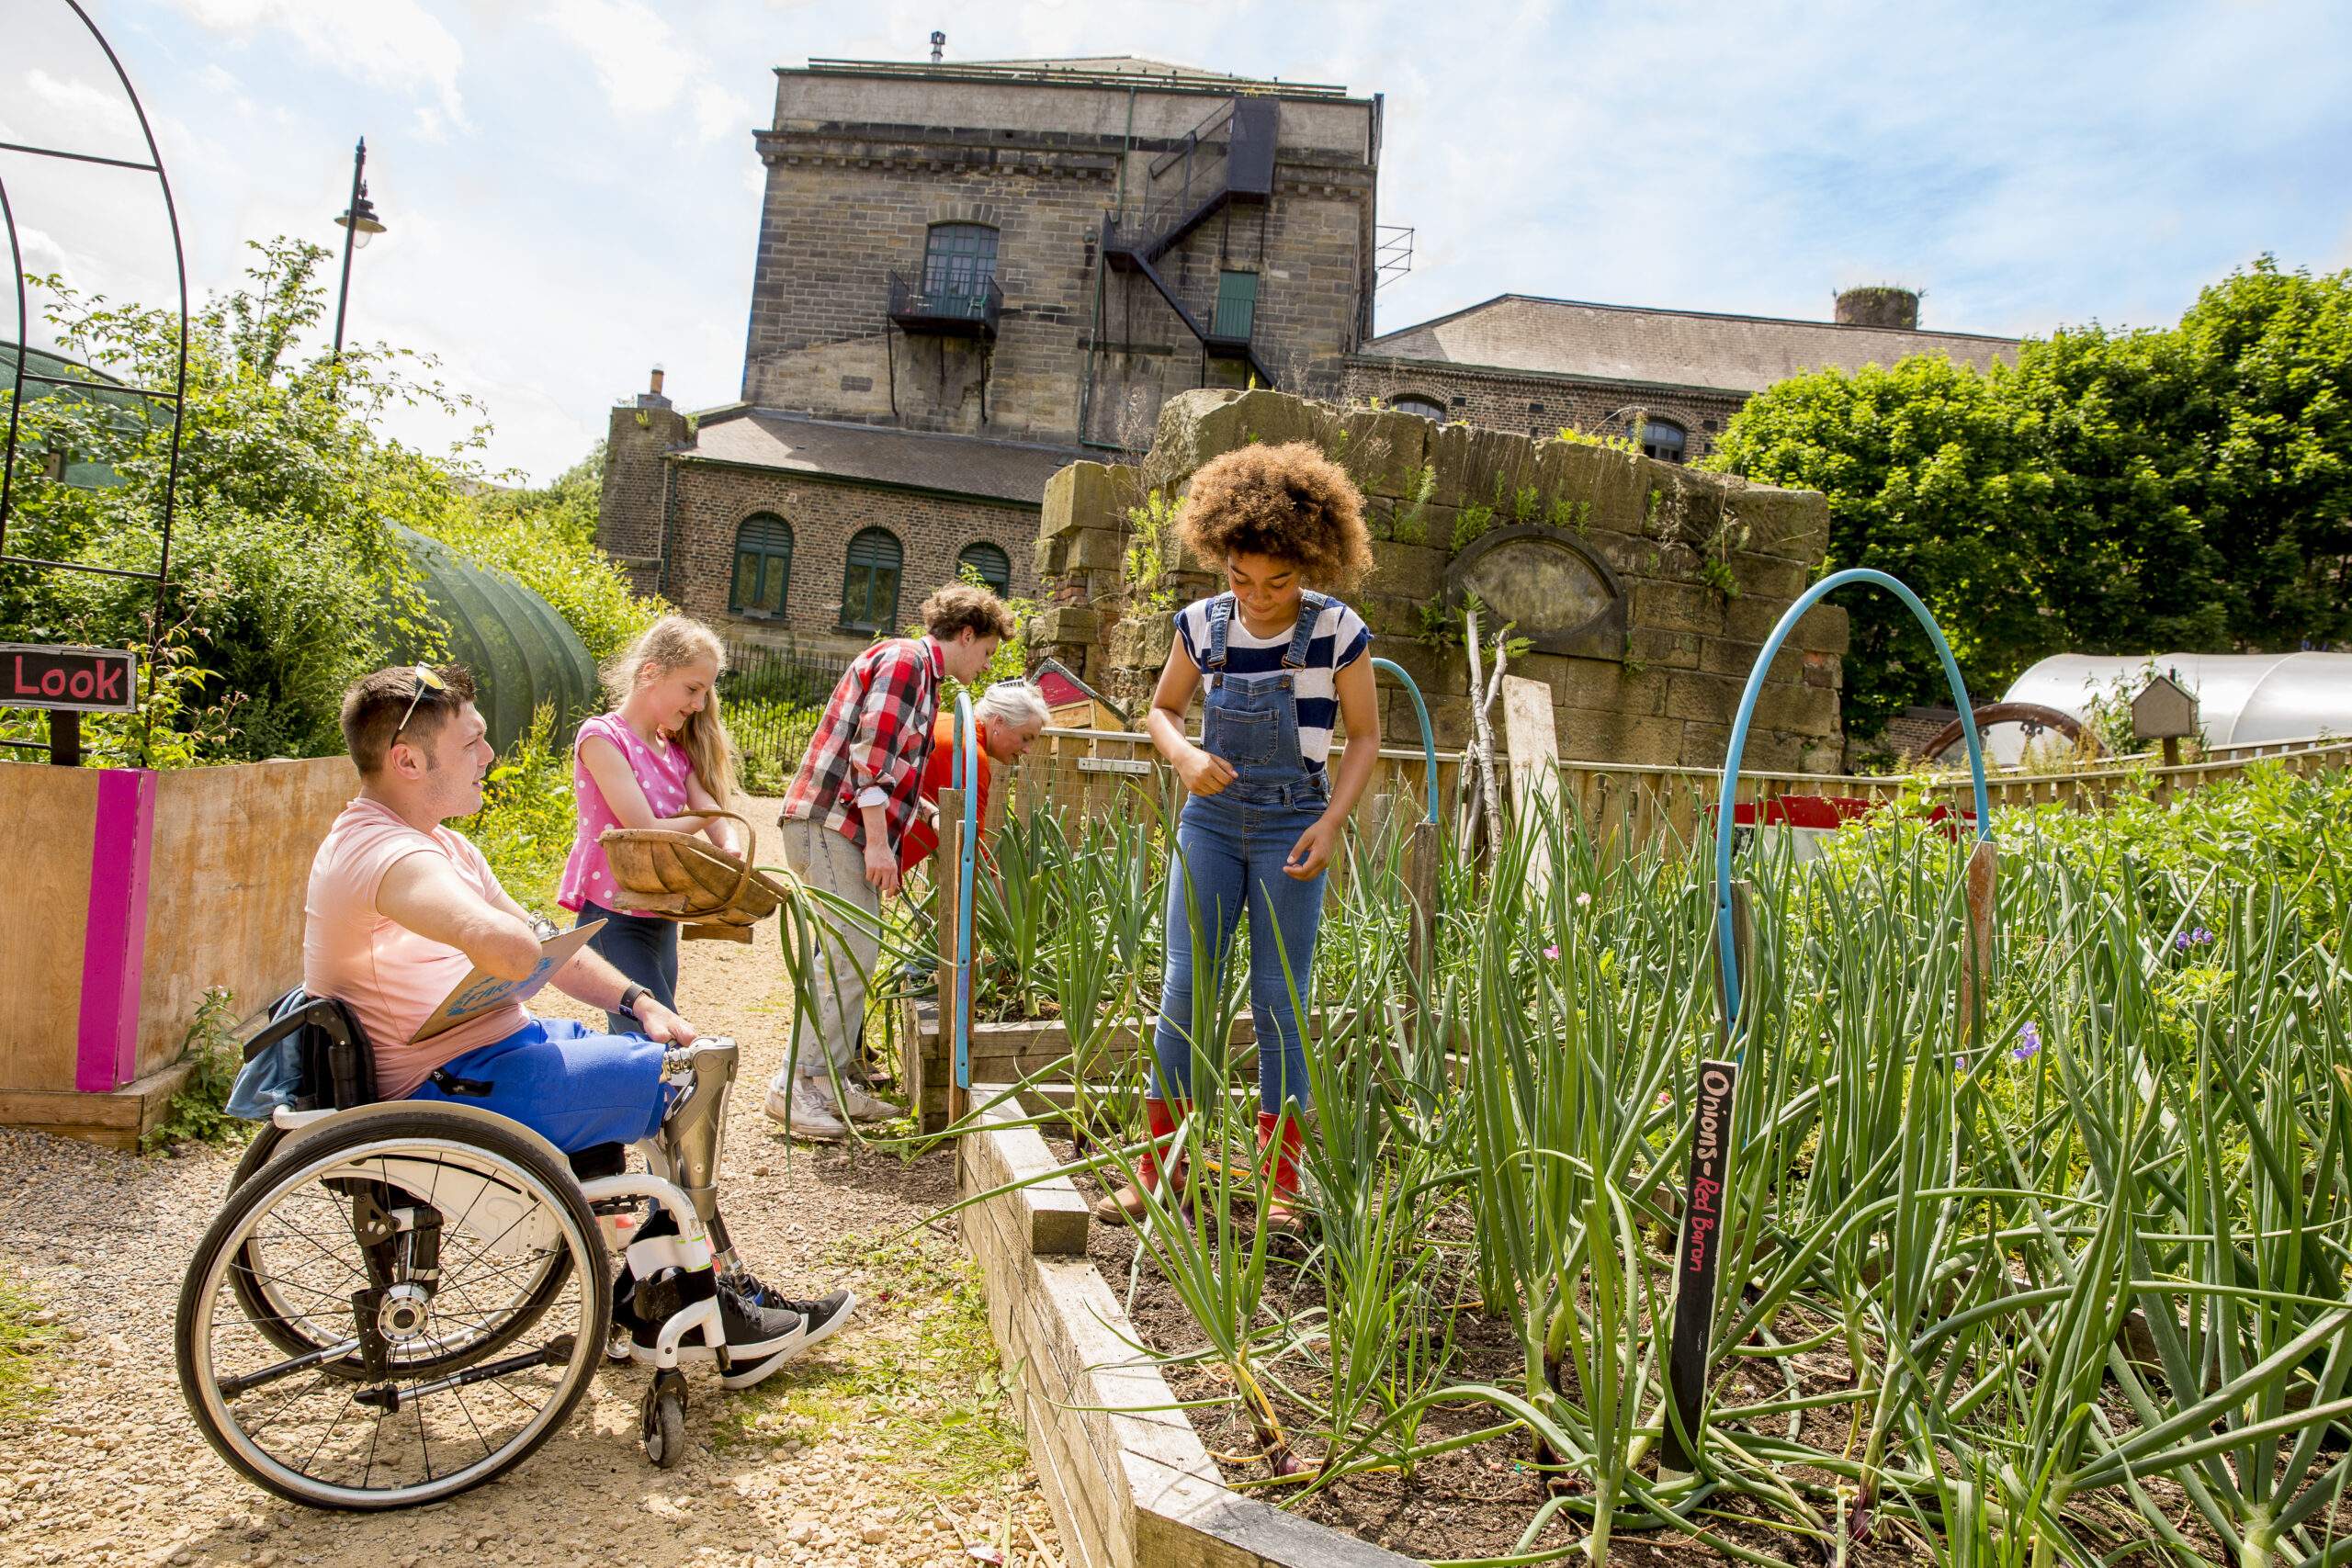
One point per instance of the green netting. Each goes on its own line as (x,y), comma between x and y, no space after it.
(522,653)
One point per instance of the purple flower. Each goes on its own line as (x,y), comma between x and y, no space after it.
(2028,1042)
(1584,900)
(2190,939)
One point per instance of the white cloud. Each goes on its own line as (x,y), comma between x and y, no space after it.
(374,41)
(720,113)
(639,62)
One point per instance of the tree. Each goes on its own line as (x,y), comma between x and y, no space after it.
(1925,482)
(2184,488)
(286,580)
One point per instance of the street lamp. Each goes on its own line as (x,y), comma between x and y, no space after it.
(359,225)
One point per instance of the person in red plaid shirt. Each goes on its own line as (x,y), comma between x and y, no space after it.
(844,819)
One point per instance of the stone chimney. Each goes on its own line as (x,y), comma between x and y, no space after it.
(1880,307)
(633,510)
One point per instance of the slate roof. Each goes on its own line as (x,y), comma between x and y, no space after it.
(1672,348)
(951,465)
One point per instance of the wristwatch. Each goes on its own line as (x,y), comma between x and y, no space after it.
(628,999)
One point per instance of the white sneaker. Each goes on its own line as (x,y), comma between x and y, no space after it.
(865,1107)
(807,1111)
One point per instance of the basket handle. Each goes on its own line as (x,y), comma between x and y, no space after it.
(750,850)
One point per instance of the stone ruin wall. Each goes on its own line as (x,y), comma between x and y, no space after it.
(1649,587)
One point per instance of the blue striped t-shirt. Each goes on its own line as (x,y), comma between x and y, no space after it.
(1339,638)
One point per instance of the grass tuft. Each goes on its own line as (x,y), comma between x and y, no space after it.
(923,1389)
(25,1345)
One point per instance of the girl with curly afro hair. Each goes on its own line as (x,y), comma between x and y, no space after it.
(1281,663)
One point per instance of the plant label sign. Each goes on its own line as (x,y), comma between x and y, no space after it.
(1695,1256)
(81,680)
(1138,765)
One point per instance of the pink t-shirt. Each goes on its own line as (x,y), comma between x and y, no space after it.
(662,775)
(384,972)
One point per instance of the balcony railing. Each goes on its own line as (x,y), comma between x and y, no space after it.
(965,312)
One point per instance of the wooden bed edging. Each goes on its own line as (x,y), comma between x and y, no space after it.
(1128,1479)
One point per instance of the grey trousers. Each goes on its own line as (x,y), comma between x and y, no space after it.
(825,1026)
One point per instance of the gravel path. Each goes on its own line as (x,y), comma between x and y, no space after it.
(877,1449)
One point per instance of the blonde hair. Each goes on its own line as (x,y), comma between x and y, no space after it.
(672,643)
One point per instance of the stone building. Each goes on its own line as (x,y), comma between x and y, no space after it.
(1675,377)
(973,277)
(969,275)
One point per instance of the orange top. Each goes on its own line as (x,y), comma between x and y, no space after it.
(922,837)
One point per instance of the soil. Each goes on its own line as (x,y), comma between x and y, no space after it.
(1477,1501)
(109,1468)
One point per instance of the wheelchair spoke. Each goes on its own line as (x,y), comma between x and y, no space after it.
(290,1280)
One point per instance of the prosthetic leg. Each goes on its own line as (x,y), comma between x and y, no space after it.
(685,1150)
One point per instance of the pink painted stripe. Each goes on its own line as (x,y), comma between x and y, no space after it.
(114,950)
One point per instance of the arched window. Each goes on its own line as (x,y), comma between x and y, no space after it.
(1663,439)
(1428,408)
(989,564)
(959,259)
(763,565)
(870,586)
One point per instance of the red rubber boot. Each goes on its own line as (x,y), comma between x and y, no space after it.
(1125,1207)
(1282,1205)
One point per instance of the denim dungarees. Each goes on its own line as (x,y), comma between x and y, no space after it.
(1231,847)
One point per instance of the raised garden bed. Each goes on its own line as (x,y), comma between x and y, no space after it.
(1130,1483)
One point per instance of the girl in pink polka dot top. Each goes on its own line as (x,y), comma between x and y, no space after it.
(660,759)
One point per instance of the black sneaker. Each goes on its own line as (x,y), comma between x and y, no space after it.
(753,1330)
(746,1284)
(760,1320)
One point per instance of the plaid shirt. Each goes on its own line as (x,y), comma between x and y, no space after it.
(877,734)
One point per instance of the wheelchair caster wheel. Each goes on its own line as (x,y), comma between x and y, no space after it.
(664,1419)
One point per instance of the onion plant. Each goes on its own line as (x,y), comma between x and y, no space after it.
(2069,1210)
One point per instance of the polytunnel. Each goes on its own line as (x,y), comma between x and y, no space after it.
(2242,699)
(521,651)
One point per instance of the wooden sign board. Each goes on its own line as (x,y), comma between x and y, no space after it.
(1138,765)
(74,679)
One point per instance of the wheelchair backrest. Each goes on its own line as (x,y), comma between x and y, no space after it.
(335,1066)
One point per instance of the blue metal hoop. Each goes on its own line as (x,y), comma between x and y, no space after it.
(967,740)
(1420,710)
(1727,963)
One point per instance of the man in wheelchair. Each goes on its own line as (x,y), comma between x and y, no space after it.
(401,907)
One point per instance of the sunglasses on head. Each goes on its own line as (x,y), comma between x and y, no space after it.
(427,680)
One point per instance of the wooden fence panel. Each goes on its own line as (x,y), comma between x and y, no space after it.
(1099,774)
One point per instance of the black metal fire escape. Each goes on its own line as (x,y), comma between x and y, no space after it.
(1226,161)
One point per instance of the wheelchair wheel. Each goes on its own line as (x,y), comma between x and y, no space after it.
(662,1419)
(402,1248)
(291,1323)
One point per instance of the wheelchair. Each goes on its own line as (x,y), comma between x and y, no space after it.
(401,1299)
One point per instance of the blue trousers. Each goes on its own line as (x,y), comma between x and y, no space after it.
(573,1088)
(1232,851)
(644,948)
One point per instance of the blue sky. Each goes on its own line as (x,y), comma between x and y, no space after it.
(573,195)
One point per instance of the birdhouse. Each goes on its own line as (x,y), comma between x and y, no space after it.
(2165,710)
(1072,703)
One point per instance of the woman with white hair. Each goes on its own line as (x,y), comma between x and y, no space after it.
(1008,718)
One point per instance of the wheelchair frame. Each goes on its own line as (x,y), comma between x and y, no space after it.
(336,1077)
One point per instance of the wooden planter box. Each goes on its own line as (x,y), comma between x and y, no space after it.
(134,891)
(1129,1481)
